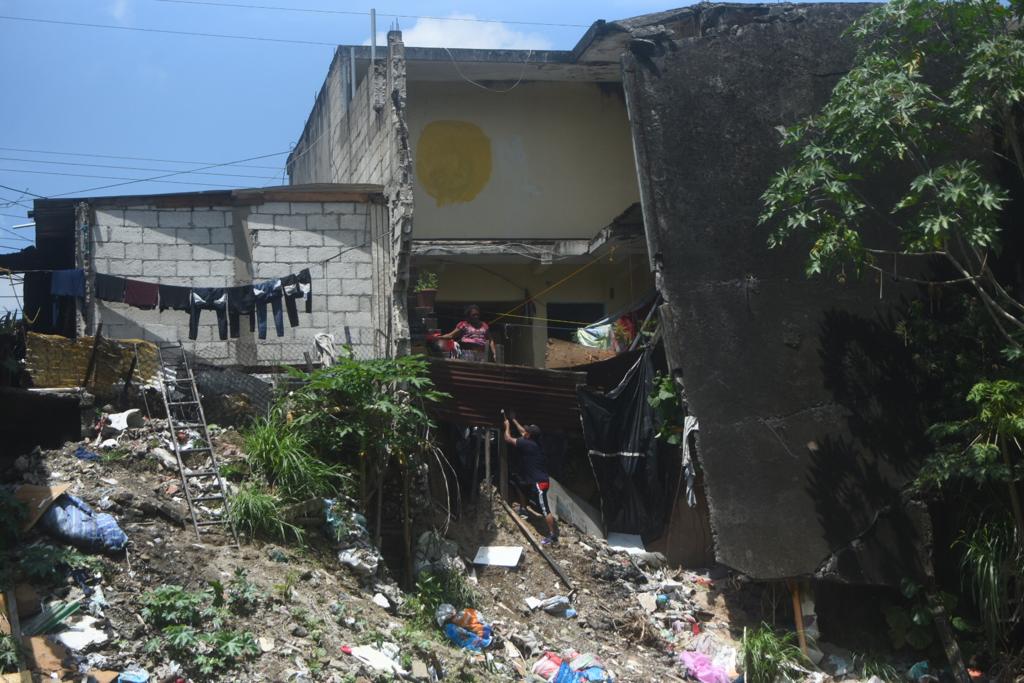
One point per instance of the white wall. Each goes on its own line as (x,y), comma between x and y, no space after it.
(561,160)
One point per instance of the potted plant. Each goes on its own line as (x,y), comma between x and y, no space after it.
(426,289)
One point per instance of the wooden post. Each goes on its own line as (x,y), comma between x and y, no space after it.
(92,357)
(503,464)
(487,465)
(798,615)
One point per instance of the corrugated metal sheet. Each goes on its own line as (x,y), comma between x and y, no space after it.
(480,390)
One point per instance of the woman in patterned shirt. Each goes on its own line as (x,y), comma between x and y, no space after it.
(473,335)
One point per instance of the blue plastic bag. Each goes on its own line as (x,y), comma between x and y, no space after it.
(71,520)
(467,639)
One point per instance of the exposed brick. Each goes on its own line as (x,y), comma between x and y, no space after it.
(110,217)
(131,267)
(272,238)
(307,207)
(224,268)
(101,265)
(264,255)
(336,270)
(193,235)
(158,268)
(126,235)
(364,270)
(290,222)
(353,222)
(339,207)
(320,321)
(212,252)
(329,222)
(142,251)
(365,303)
(155,236)
(175,252)
(292,254)
(273,207)
(333,285)
(209,219)
(304,238)
(221,236)
(192,268)
(259,222)
(356,286)
(318,254)
(175,219)
(109,250)
(342,303)
(358,319)
(140,219)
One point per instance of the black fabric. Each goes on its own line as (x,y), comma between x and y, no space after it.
(175,297)
(210,299)
(532,464)
(291,290)
(306,280)
(110,287)
(241,301)
(619,431)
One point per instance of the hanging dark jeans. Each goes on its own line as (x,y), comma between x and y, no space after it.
(208,299)
(269,291)
(306,287)
(291,289)
(241,301)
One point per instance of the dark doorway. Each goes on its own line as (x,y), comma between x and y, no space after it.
(565,319)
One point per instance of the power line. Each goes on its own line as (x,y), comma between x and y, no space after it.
(310,10)
(109,177)
(18,201)
(127,168)
(11,215)
(114,156)
(168,31)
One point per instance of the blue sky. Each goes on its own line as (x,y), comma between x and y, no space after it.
(97,91)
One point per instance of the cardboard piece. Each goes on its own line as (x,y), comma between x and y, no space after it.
(499,555)
(28,600)
(37,499)
(630,543)
(22,677)
(44,656)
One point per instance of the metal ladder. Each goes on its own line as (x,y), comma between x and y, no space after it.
(185,411)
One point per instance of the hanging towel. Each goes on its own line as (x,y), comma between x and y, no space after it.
(175,298)
(68,282)
(141,294)
(110,288)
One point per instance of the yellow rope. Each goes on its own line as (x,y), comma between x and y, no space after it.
(568,277)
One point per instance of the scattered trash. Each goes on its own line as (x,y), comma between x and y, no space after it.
(82,633)
(83,453)
(71,520)
(381,601)
(466,629)
(108,444)
(133,675)
(122,421)
(435,553)
(266,644)
(376,659)
(165,458)
(626,543)
(50,618)
(361,561)
(701,667)
(555,605)
(648,601)
(97,601)
(499,555)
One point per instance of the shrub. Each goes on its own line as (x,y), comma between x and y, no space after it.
(46,563)
(256,512)
(282,455)
(769,657)
(438,588)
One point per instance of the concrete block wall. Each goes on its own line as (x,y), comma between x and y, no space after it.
(227,246)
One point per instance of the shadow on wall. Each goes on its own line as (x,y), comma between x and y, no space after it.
(857,483)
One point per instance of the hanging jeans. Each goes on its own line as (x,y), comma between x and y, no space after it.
(208,299)
(264,292)
(240,302)
(292,290)
(306,287)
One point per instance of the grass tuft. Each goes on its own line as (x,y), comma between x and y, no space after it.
(769,656)
(256,512)
(283,457)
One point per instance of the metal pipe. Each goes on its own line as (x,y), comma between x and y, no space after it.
(373,37)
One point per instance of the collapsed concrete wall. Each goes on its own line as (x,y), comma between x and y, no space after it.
(364,138)
(806,400)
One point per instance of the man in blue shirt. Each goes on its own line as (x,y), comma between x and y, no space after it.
(534,471)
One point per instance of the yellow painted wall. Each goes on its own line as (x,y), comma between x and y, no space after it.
(543,160)
(617,283)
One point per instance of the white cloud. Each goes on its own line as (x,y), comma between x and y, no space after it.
(468,34)
(119,10)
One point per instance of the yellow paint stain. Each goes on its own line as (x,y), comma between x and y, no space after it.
(453,161)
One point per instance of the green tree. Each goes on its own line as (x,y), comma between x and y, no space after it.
(916,152)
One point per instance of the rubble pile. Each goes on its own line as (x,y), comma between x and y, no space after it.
(327,610)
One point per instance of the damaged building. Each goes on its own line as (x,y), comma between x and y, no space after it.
(555,189)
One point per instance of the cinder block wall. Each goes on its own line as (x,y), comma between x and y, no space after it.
(223,246)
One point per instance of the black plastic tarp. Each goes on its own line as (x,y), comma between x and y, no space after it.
(619,431)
